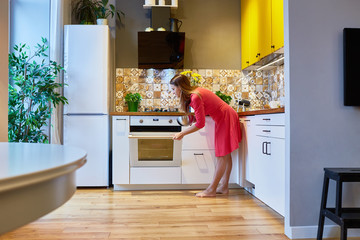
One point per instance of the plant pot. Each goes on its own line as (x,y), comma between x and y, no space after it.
(133,106)
(102,21)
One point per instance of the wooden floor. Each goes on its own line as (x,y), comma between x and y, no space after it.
(161,215)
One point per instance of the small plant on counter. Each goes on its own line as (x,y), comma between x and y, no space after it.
(33,93)
(133,97)
(133,100)
(194,78)
(224,97)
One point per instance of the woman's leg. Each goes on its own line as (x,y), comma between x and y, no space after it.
(220,170)
(223,187)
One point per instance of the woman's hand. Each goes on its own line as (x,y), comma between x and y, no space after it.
(178,136)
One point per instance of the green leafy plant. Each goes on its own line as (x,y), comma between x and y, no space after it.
(133,97)
(224,97)
(194,78)
(32,93)
(104,10)
(84,11)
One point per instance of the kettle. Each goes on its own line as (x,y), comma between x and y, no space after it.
(175,24)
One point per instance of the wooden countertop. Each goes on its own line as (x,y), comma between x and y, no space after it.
(247,113)
(34,180)
(262,111)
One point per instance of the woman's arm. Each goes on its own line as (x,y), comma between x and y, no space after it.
(180,135)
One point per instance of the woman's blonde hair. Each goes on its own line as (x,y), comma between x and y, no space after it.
(183,83)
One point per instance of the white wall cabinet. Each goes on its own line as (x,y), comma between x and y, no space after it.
(263,158)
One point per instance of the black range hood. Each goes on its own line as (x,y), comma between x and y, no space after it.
(161,49)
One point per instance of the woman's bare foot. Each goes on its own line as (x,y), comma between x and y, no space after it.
(206,193)
(222,190)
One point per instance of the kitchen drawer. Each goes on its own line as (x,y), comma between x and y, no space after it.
(270,131)
(202,139)
(155,175)
(271,119)
(198,166)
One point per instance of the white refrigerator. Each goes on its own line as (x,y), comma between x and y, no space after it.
(86,119)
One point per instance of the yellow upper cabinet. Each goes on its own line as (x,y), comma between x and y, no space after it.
(277,24)
(262,30)
(245,34)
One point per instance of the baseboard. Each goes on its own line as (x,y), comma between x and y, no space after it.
(330,231)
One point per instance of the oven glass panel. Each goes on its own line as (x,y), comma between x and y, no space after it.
(155,150)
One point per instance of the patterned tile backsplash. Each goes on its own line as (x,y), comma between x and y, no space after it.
(259,87)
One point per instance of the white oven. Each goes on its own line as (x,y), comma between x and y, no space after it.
(151,143)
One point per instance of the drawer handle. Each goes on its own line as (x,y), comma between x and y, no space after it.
(266,119)
(267,131)
(247,120)
(198,154)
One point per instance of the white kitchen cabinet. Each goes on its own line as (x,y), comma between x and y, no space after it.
(248,159)
(198,157)
(120,149)
(263,154)
(198,166)
(270,187)
(155,175)
(202,139)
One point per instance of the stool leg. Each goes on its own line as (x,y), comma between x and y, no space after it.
(322,207)
(343,233)
(338,198)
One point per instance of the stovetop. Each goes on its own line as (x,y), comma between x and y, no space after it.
(161,110)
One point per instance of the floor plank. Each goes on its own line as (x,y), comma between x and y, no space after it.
(155,215)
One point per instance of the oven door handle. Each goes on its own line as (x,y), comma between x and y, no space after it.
(151,137)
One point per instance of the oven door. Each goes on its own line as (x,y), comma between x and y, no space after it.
(154,149)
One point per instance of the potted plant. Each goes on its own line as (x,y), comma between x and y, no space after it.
(84,11)
(133,100)
(33,93)
(194,78)
(224,97)
(103,10)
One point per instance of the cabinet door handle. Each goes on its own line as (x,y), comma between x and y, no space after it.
(198,154)
(263,147)
(268,152)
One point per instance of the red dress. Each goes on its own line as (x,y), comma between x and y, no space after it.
(227,125)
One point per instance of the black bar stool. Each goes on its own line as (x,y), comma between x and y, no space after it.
(344,217)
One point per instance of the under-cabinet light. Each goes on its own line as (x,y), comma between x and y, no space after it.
(262,67)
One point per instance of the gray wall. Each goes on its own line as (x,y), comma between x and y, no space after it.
(212,30)
(4,48)
(321,131)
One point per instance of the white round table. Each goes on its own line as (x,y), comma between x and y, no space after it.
(34,180)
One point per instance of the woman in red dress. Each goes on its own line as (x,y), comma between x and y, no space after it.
(227,128)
